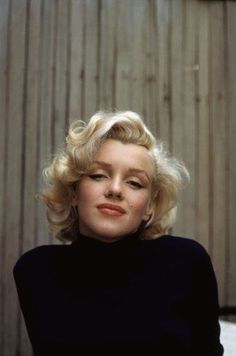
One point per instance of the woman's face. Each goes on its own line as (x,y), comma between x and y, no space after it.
(114,196)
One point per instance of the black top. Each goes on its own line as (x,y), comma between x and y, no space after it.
(129,294)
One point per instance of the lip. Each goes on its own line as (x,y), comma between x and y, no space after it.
(111,209)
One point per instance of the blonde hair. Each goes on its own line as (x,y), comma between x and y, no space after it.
(82,143)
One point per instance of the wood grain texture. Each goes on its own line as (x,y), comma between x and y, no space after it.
(171,61)
(231,144)
(91,52)
(203,128)
(138,57)
(189,111)
(46,106)
(218,141)
(14,169)
(76,58)
(123,64)
(4,76)
(163,59)
(60,97)
(31,119)
(177,96)
(107,55)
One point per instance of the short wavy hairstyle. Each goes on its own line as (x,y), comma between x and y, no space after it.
(82,142)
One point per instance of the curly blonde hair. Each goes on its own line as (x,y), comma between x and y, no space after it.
(82,143)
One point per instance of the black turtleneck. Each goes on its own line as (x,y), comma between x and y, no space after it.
(158,295)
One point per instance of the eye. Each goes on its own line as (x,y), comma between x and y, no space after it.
(134,184)
(97,176)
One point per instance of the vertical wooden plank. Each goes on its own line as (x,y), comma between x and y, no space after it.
(47,70)
(218,145)
(176,109)
(231,90)
(76,59)
(162,14)
(202,102)
(31,125)
(138,57)
(31,143)
(60,103)
(150,80)
(107,55)
(4,73)
(123,65)
(14,177)
(91,58)
(189,127)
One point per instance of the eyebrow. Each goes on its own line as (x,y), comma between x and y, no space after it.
(132,170)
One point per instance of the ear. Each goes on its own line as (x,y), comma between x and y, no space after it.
(74,199)
(74,202)
(149,211)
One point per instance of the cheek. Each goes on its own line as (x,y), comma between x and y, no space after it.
(140,203)
(80,192)
(88,192)
(85,191)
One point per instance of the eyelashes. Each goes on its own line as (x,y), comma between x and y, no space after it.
(97,176)
(135,184)
(132,183)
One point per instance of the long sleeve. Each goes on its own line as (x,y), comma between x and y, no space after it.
(207,308)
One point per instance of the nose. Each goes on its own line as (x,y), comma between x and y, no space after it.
(114,189)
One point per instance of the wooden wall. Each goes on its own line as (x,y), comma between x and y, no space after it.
(171,60)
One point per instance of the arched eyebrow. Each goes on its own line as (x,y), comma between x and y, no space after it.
(131,170)
(102,163)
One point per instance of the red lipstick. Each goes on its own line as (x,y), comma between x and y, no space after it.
(111,209)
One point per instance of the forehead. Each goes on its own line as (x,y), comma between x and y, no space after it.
(131,155)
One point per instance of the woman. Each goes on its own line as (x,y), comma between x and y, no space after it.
(123,283)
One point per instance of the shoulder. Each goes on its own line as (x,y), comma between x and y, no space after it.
(186,257)
(38,257)
(176,247)
(180,244)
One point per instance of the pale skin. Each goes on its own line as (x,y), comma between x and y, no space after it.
(114,197)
